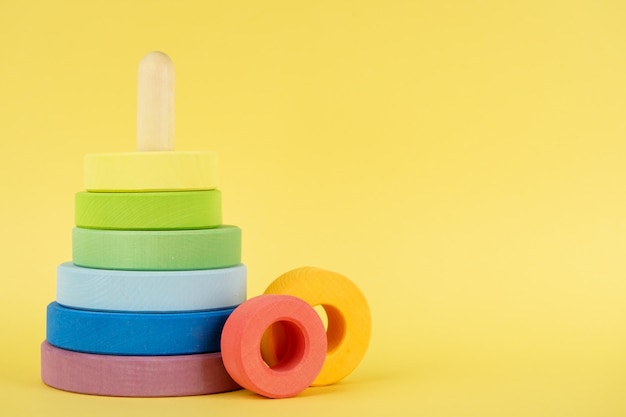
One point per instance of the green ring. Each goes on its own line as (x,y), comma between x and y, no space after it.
(149,211)
(157,250)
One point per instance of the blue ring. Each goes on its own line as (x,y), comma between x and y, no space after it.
(123,333)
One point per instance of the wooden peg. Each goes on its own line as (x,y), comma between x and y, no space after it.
(155,103)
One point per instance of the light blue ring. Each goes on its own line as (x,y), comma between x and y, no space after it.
(150,291)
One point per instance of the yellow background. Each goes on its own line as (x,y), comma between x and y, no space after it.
(462,161)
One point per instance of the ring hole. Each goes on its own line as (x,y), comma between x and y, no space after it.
(335,327)
(282,336)
(288,345)
(321,311)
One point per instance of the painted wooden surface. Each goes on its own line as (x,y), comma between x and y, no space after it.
(148,211)
(134,376)
(349,320)
(151,171)
(149,334)
(150,291)
(304,353)
(157,250)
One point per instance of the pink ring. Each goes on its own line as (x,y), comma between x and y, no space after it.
(304,350)
(134,376)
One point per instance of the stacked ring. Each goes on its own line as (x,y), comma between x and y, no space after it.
(153,291)
(134,376)
(135,334)
(157,250)
(149,211)
(151,171)
(154,272)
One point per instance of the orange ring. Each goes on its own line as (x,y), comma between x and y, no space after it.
(349,320)
(303,356)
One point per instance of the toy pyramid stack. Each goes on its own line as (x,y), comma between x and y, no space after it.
(154,274)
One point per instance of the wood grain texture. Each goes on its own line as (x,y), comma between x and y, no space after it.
(174,210)
(150,171)
(349,319)
(157,250)
(134,376)
(304,351)
(134,333)
(150,291)
(155,103)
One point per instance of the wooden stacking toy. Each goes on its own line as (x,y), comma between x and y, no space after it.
(154,274)
(154,303)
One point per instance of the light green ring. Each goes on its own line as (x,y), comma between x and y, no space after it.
(157,250)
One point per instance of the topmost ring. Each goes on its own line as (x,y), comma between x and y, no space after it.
(150,171)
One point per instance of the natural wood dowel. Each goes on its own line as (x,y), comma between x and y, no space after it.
(155,103)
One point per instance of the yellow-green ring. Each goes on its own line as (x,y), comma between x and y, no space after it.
(149,211)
